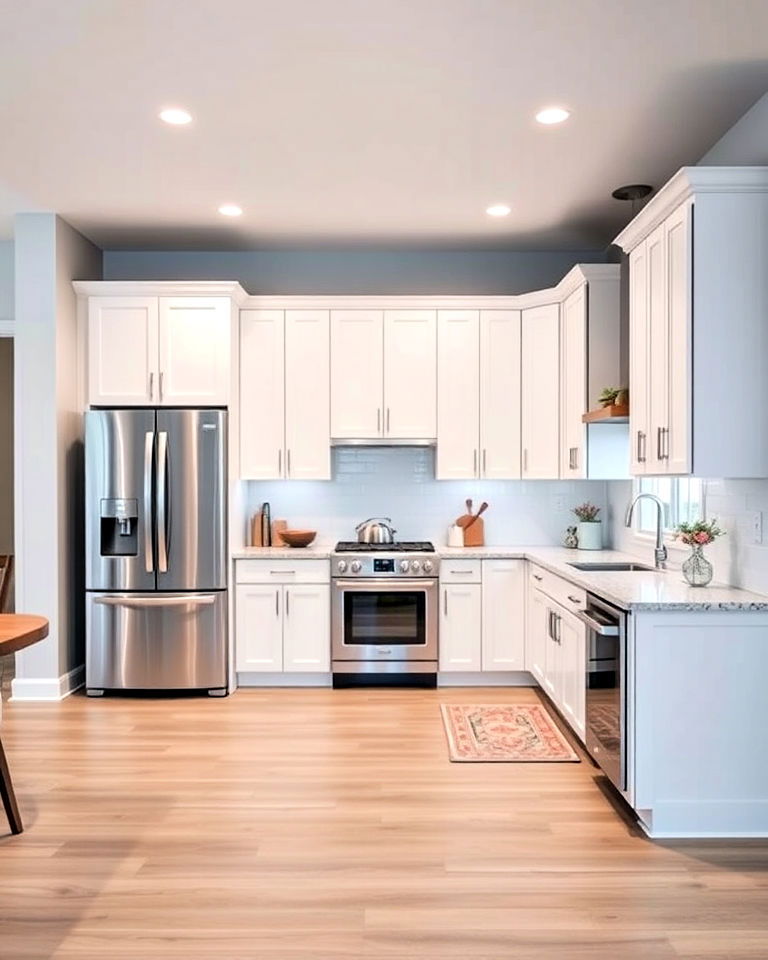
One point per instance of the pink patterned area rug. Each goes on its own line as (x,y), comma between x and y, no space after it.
(504,733)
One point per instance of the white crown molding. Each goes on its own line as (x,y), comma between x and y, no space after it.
(686,183)
(161,288)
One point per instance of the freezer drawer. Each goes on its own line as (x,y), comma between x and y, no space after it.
(156,641)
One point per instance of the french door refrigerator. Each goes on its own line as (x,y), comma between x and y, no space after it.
(156,550)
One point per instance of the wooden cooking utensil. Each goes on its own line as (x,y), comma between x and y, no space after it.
(468,502)
(483,508)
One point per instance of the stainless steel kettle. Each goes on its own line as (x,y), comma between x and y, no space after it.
(375,530)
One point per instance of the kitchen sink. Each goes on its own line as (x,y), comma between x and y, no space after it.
(615,567)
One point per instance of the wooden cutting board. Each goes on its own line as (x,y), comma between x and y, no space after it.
(474,535)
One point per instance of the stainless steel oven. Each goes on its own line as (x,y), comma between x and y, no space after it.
(384,616)
(606,688)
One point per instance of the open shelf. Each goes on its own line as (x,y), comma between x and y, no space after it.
(611,414)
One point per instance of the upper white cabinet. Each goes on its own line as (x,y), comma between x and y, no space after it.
(698,302)
(284,395)
(383,374)
(573,367)
(159,351)
(541,392)
(478,390)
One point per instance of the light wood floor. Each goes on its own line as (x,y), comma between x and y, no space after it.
(329,824)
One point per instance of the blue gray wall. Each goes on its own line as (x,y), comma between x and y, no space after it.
(355,271)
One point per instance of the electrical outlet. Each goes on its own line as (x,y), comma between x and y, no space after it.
(757,526)
(559,504)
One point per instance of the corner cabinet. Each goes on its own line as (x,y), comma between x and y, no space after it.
(159,351)
(284,395)
(698,302)
(541,392)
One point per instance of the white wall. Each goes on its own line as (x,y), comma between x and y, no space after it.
(48,255)
(398,482)
(356,271)
(746,143)
(6,400)
(6,279)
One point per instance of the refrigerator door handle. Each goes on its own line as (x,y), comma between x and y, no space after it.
(190,599)
(162,502)
(149,450)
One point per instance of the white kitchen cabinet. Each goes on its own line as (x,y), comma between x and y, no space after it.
(306,640)
(698,392)
(458,395)
(284,395)
(503,616)
(573,366)
(307,395)
(572,640)
(460,627)
(259,628)
(536,633)
(410,374)
(500,394)
(122,351)
(159,351)
(357,373)
(262,394)
(194,349)
(541,392)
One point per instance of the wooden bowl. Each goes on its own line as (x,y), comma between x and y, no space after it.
(298,538)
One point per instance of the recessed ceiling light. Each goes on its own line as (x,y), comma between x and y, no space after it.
(497,210)
(550,115)
(175,116)
(230,210)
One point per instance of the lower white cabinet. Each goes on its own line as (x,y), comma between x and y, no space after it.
(503,630)
(564,676)
(536,633)
(282,627)
(460,627)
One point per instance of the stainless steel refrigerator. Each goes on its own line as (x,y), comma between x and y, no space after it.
(156,550)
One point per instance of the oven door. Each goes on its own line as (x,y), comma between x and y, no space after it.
(384,620)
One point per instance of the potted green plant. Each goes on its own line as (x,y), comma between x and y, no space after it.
(697,570)
(590,527)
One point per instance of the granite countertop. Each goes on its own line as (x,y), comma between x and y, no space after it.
(644,590)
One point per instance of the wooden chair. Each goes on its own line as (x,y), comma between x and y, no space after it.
(6,575)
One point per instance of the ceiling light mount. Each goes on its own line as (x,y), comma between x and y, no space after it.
(552,115)
(176,116)
(230,210)
(498,210)
(632,191)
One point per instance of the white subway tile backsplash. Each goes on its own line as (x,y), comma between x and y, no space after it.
(398,482)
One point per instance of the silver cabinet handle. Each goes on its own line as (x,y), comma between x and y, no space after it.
(387,419)
(460,573)
(161,386)
(445,602)
(378,419)
(573,458)
(474,462)
(558,621)
(550,624)
(659,435)
(525,460)
(280,573)
(288,461)
(287,603)
(189,600)
(277,603)
(162,502)
(665,438)
(151,384)
(639,447)
(149,450)
(537,577)
(484,452)
(573,599)
(280,462)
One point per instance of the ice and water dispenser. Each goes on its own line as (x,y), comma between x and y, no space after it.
(119,527)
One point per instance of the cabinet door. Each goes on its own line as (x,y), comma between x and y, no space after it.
(194,351)
(410,374)
(676,441)
(259,628)
(307,395)
(357,373)
(658,351)
(503,645)
(306,630)
(458,394)
(262,395)
(460,627)
(122,351)
(553,661)
(541,392)
(536,635)
(571,634)
(573,368)
(638,359)
(500,394)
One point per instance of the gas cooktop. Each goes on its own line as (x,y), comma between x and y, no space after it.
(405,546)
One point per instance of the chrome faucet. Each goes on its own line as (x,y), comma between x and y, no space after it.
(660,551)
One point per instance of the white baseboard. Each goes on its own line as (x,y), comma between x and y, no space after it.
(513,678)
(47,688)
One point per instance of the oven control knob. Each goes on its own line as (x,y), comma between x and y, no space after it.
(341,566)
(427,566)
(415,566)
(404,566)
(356,566)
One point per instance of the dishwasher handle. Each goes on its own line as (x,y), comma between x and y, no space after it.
(603,629)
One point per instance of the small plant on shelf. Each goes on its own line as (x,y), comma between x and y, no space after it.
(587,512)
(614,396)
(697,570)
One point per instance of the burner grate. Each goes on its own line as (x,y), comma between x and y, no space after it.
(414,546)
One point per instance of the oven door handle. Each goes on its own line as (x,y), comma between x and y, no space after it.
(371,583)
(604,629)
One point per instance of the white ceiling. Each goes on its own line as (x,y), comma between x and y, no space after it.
(339,121)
